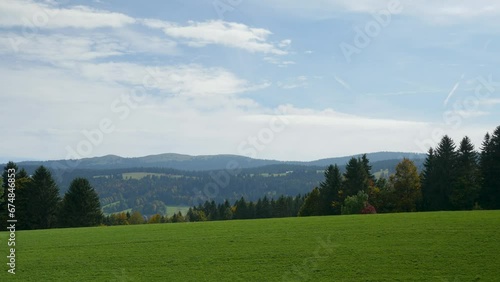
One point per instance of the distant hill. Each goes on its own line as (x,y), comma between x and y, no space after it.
(125,184)
(373,157)
(201,163)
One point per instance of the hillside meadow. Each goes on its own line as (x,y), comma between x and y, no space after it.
(437,246)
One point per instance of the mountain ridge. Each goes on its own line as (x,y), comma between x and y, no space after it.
(203,162)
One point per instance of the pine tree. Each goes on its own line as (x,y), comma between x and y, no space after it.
(466,189)
(490,170)
(356,177)
(445,165)
(80,206)
(42,196)
(241,211)
(22,182)
(331,191)
(368,168)
(427,179)
(9,171)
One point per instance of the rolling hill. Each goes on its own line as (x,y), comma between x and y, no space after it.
(200,163)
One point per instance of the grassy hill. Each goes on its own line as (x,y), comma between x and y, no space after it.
(442,246)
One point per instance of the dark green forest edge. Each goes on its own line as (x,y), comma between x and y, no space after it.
(453,177)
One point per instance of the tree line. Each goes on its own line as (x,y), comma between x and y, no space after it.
(453,178)
(38,204)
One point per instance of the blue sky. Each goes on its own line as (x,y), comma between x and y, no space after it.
(287,80)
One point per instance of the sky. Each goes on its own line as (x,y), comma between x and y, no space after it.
(276,79)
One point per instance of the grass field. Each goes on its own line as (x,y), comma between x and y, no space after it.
(443,246)
(175,209)
(141,175)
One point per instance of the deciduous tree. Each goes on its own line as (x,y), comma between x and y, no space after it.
(406,186)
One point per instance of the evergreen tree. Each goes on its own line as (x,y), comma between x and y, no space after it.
(331,191)
(466,189)
(241,209)
(440,176)
(228,212)
(427,178)
(21,180)
(80,206)
(4,193)
(368,168)
(490,170)
(445,165)
(42,196)
(356,177)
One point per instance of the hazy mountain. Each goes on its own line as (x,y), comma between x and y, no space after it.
(201,163)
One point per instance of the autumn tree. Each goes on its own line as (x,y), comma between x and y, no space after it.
(136,218)
(312,205)
(406,186)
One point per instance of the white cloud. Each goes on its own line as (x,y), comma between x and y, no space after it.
(60,48)
(34,16)
(449,11)
(285,43)
(278,62)
(489,102)
(187,80)
(230,34)
(64,105)
(292,83)
(471,114)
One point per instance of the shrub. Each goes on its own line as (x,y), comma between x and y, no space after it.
(368,209)
(354,204)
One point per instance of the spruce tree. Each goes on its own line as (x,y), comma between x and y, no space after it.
(427,179)
(445,165)
(356,177)
(368,168)
(42,196)
(4,192)
(331,191)
(490,170)
(465,191)
(80,206)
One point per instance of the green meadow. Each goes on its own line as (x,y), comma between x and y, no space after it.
(440,246)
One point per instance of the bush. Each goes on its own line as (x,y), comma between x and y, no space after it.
(368,209)
(354,204)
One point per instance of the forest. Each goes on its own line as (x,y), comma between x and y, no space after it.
(453,177)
